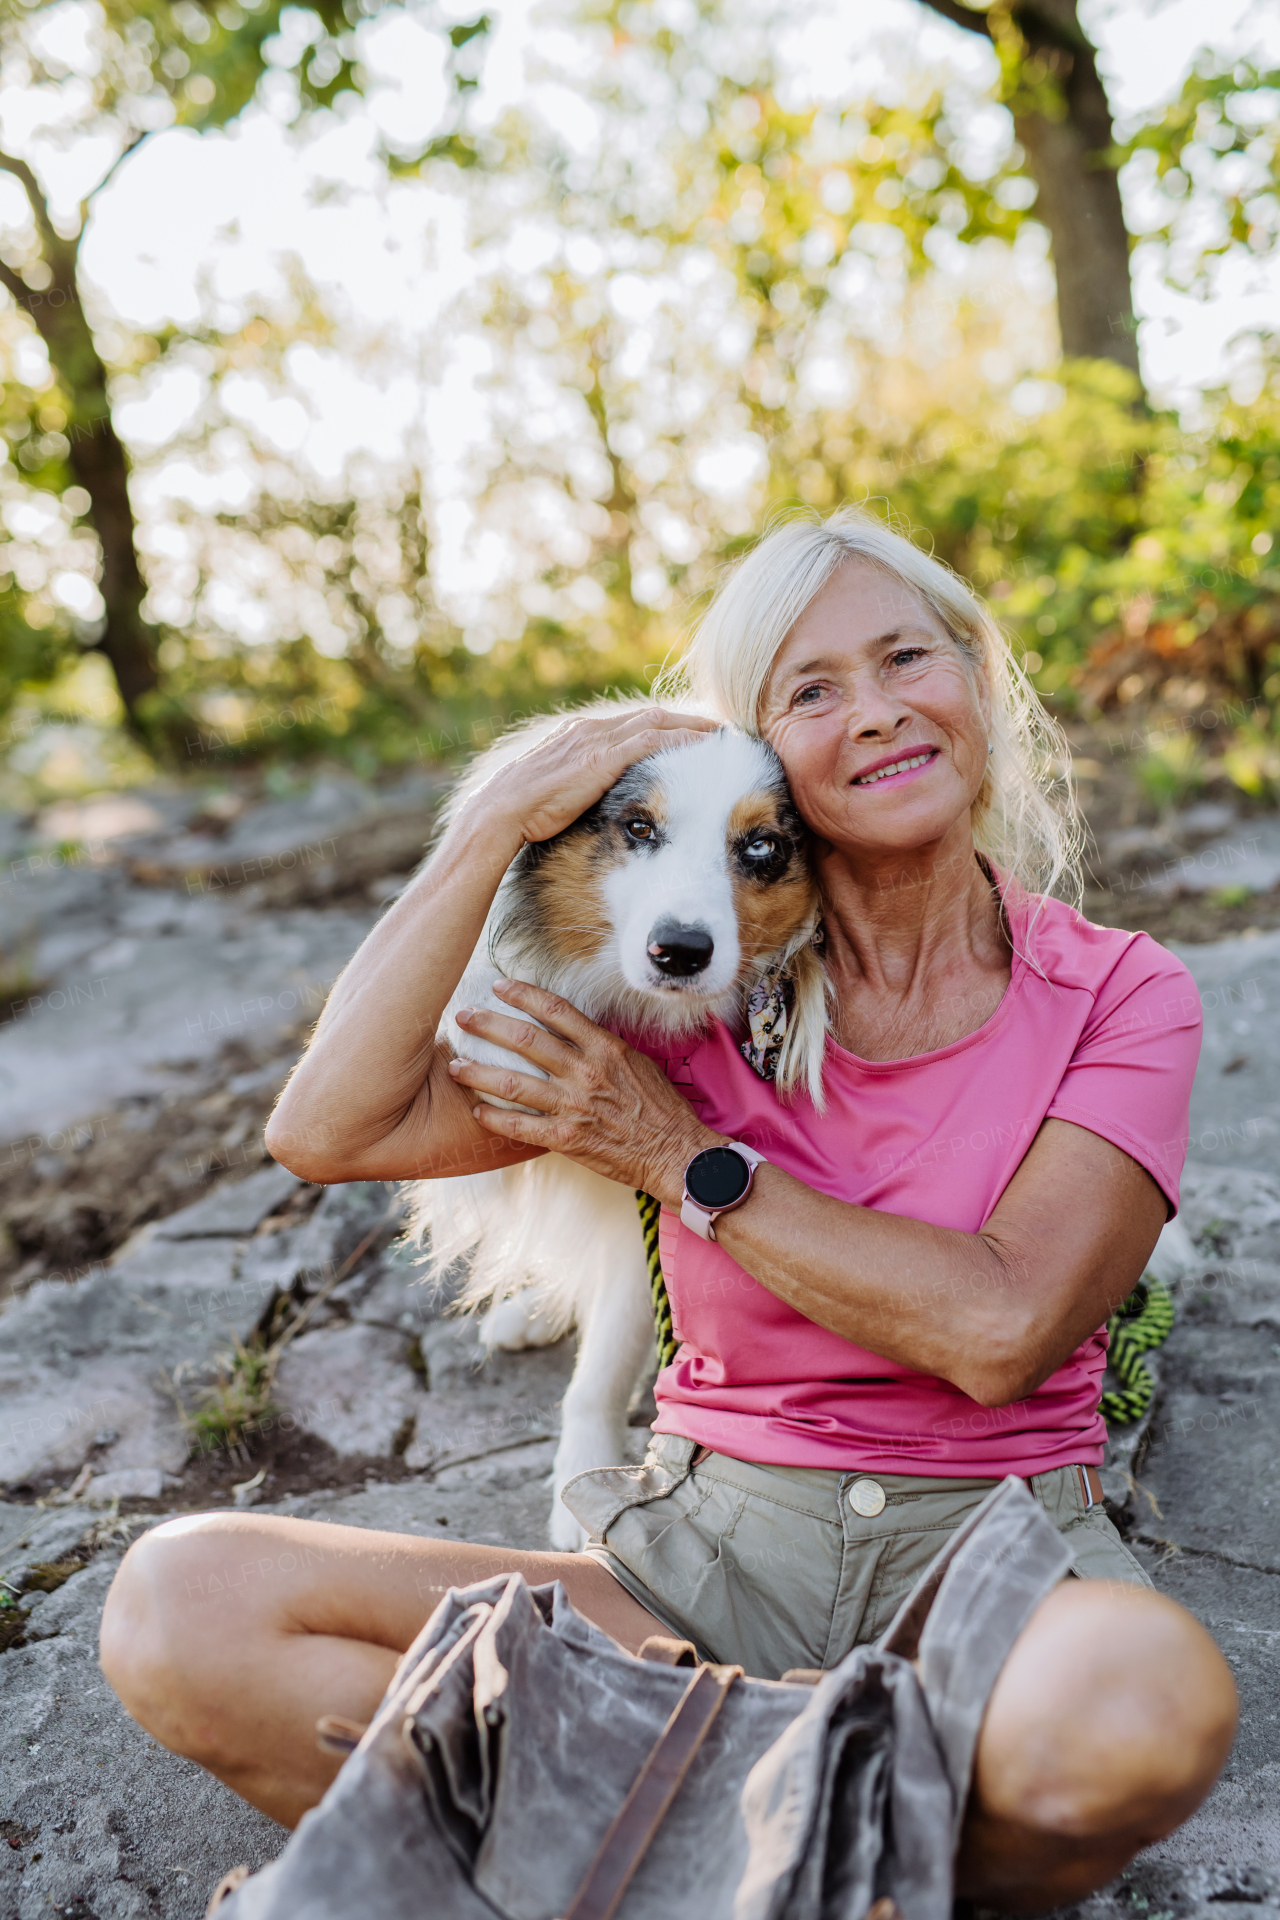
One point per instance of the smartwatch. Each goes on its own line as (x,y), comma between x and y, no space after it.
(716,1181)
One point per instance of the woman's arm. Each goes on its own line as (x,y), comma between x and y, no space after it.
(370,1099)
(996,1313)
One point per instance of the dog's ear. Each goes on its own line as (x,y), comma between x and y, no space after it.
(800,1059)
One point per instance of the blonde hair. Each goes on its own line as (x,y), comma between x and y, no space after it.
(1025,817)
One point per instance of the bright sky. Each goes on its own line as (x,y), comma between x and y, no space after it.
(193,224)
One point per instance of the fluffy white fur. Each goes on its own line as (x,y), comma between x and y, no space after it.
(550,1245)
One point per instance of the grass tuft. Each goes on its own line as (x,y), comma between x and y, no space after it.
(230,1408)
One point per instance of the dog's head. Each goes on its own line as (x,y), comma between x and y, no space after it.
(673,895)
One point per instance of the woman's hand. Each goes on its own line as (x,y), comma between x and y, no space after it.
(602,1104)
(550,785)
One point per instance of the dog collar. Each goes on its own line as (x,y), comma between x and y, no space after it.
(716,1181)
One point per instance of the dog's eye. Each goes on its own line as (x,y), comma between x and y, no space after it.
(763,847)
(639,829)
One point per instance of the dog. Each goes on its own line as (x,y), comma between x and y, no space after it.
(684,888)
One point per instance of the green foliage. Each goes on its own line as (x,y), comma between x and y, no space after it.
(715,253)
(1216,152)
(1172,772)
(145,65)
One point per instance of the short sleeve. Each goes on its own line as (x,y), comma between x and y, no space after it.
(1129,1079)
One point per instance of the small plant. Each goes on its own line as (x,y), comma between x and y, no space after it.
(229,1411)
(231,1407)
(1236,896)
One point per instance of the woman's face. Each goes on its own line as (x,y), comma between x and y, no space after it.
(876,716)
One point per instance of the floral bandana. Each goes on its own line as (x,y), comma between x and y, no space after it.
(768,1011)
(768,1006)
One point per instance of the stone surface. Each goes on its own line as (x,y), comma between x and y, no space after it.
(126,977)
(352,1387)
(99,1357)
(1206,1523)
(1247,856)
(1235,1108)
(111,1020)
(231,1210)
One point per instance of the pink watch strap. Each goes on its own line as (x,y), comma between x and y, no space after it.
(702,1220)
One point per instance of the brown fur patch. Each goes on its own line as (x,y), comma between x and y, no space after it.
(570,898)
(769,916)
(770,912)
(753,812)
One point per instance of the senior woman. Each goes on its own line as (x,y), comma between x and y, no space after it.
(906,1306)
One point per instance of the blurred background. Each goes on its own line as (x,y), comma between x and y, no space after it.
(372,372)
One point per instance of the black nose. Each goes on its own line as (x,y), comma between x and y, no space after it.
(678,950)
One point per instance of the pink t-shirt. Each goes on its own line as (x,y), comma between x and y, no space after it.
(1106,1035)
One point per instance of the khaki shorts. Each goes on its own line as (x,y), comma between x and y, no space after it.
(771,1567)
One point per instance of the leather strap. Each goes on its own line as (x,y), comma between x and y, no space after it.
(667,1652)
(334,1734)
(652,1791)
(225,1888)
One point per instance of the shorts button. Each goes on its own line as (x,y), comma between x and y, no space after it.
(866,1497)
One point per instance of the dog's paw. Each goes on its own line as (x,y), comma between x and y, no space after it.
(515,1323)
(565,1533)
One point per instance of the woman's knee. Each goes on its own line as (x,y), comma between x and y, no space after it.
(165,1642)
(1112,1717)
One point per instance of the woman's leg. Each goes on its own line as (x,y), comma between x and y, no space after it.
(229,1635)
(1109,1723)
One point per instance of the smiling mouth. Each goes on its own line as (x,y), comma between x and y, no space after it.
(905,765)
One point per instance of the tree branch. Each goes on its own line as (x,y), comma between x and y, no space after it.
(1056,25)
(962,16)
(112,170)
(15,285)
(31,187)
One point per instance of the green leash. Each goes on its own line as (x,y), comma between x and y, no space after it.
(649,1211)
(1142,1323)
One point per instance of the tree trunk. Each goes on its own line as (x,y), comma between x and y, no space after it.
(97,458)
(1078,192)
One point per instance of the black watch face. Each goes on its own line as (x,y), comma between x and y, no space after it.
(717,1177)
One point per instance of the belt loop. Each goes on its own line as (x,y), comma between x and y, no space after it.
(1086,1489)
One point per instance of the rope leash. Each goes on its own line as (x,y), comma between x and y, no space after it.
(1142,1323)
(649,1211)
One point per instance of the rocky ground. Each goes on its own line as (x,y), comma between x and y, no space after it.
(164,955)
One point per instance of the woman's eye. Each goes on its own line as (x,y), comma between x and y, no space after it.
(639,829)
(807,696)
(906,656)
(762,848)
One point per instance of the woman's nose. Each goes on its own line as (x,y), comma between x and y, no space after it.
(873,712)
(874,717)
